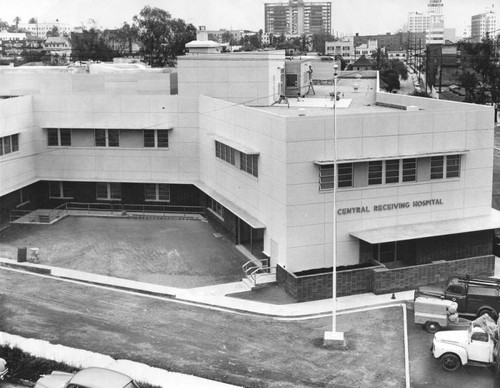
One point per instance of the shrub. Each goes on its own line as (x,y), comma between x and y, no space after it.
(24,366)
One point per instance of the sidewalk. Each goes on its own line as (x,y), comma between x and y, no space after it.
(217,296)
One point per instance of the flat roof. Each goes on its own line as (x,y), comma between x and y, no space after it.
(430,229)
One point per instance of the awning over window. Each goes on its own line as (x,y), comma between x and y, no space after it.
(429,229)
(390,157)
(236,145)
(238,211)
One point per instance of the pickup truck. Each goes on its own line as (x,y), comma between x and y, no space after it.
(474,297)
(478,345)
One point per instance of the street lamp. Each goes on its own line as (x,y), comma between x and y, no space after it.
(334,338)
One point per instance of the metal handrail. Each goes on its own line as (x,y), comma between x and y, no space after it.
(257,273)
(163,209)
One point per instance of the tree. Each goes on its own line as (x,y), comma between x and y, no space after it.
(90,45)
(53,32)
(380,58)
(124,37)
(399,67)
(484,62)
(3,25)
(318,42)
(32,21)
(391,79)
(17,19)
(162,37)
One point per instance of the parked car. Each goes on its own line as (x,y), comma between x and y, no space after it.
(87,378)
(3,368)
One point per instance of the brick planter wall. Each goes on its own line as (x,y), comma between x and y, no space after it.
(319,286)
(379,279)
(406,278)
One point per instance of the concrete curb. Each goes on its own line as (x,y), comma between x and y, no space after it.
(316,309)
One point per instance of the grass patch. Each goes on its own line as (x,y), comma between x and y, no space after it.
(25,367)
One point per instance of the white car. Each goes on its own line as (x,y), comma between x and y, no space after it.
(87,378)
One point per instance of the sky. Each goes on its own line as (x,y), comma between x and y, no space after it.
(349,16)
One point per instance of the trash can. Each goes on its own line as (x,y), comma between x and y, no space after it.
(21,254)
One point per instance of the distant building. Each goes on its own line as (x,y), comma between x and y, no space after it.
(430,22)
(344,48)
(298,17)
(12,43)
(58,45)
(362,63)
(366,49)
(482,24)
(400,55)
(41,29)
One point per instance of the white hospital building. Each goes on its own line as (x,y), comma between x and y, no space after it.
(414,187)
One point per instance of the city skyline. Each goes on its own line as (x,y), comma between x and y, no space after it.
(349,17)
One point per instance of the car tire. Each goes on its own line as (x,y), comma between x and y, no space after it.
(432,327)
(450,362)
(490,312)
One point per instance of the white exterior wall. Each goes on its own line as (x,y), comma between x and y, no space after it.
(453,128)
(247,78)
(263,197)
(17,169)
(83,102)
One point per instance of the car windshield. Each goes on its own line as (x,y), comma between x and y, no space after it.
(131,385)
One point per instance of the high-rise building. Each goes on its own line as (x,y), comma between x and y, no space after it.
(430,22)
(298,17)
(482,24)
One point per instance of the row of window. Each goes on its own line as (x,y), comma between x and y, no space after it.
(153,138)
(9,144)
(154,192)
(389,171)
(245,162)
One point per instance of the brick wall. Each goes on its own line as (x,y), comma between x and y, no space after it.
(319,286)
(380,279)
(406,278)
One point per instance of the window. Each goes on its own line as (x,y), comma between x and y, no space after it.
(60,190)
(375,173)
(409,170)
(156,138)
(9,144)
(157,192)
(387,252)
(326,176)
(108,191)
(225,152)
(6,145)
(15,142)
(453,166)
(392,171)
(479,336)
(65,135)
(58,137)
(437,167)
(249,163)
(107,137)
(113,137)
(216,207)
(344,178)
(52,137)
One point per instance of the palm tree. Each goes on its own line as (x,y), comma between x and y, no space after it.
(379,55)
(17,19)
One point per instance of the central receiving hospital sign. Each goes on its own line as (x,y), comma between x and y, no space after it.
(389,206)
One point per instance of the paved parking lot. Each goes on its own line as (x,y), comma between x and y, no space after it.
(175,253)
